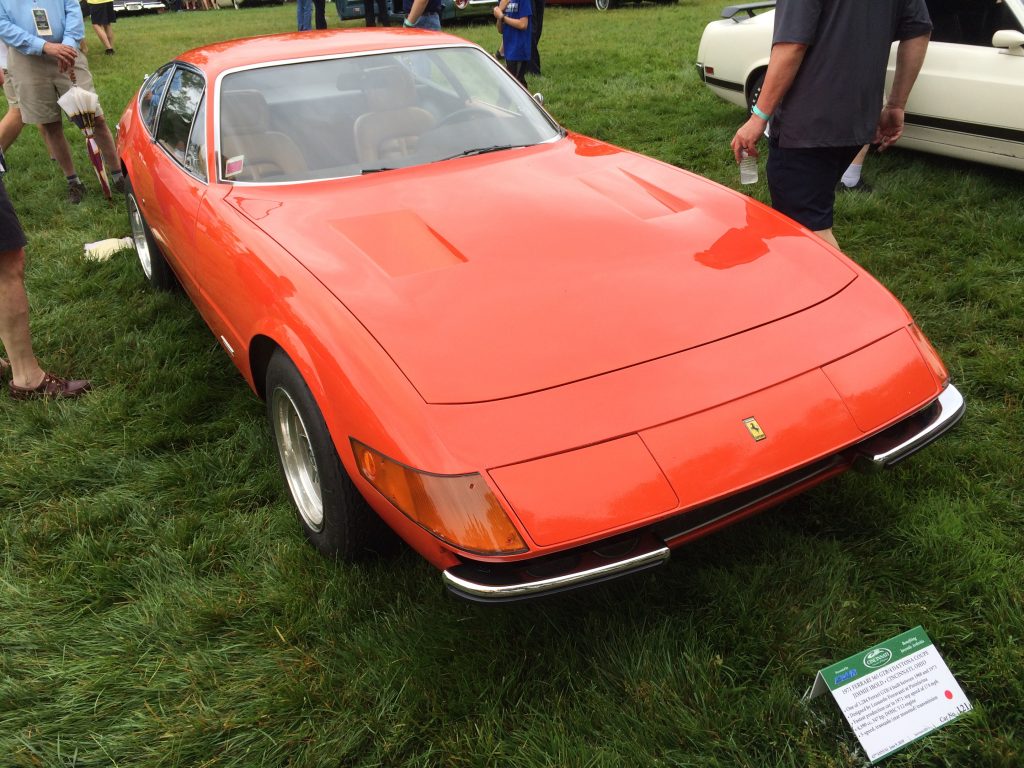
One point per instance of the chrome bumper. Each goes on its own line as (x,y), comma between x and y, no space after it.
(911,435)
(522,580)
(506,582)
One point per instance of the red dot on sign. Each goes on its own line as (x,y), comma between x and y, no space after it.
(949,694)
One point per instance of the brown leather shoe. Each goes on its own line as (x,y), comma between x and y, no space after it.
(51,386)
(5,369)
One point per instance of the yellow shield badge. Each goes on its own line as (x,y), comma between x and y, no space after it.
(754,429)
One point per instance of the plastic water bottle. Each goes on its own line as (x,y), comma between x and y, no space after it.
(748,168)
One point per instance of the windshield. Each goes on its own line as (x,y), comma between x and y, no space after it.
(371,113)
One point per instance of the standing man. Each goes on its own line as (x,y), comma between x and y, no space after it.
(822,96)
(44,36)
(28,380)
(423,14)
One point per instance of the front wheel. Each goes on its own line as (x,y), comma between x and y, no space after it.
(602,5)
(334,516)
(154,266)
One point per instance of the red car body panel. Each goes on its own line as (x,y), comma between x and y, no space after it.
(597,365)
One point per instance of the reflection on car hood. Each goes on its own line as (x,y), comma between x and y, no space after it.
(494,276)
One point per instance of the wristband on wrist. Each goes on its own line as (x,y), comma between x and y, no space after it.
(759,113)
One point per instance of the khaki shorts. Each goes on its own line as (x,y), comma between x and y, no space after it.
(40,85)
(9,92)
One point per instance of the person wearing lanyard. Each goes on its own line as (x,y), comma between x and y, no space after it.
(44,57)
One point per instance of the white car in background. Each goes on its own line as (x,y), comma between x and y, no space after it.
(968,101)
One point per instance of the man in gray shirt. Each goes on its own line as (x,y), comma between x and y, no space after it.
(822,96)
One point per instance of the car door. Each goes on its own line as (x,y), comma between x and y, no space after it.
(967,99)
(180,141)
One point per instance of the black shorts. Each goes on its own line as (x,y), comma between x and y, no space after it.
(802,181)
(12,237)
(102,14)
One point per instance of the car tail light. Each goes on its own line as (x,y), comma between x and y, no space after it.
(459,509)
(929,354)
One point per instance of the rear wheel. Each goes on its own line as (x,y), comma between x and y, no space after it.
(154,266)
(602,5)
(334,516)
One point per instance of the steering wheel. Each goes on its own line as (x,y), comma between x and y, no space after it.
(464,114)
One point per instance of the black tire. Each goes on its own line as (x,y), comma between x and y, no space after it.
(154,266)
(755,90)
(333,515)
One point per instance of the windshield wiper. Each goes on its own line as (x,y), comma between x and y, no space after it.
(483,151)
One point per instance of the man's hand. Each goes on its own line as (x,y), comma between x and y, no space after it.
(746,138)
(64,54)
(890,127)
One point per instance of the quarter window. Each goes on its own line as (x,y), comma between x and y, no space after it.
(150,95)
(184,95)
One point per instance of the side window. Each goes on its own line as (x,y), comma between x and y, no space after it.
(150,95)
(195,153)
(184,94)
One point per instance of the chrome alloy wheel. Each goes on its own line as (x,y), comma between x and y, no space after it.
(297,458)
(139,237)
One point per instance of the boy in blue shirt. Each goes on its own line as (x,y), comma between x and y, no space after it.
(514,25)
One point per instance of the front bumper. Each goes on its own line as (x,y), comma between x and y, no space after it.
(649,547)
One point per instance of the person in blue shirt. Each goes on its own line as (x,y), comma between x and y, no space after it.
(44,39)
(517,39)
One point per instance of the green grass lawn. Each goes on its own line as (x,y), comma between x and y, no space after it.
(160,607)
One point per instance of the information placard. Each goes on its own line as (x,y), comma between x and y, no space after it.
(894,693)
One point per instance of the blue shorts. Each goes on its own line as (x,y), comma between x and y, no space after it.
(802,181)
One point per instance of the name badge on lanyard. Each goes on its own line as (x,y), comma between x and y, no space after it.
(42,21)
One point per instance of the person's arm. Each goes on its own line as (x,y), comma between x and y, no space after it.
(783,65)
(74,24)
(18,38)
(418,6)
(909,58)
(521,23)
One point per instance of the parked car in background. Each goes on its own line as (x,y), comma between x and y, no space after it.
(453,10)
(132,7)
(532,408)
(968,101)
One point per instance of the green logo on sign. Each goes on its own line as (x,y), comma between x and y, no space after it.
(877,658)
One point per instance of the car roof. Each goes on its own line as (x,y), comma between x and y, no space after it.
(229,54)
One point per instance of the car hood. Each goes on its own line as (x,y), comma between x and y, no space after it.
(494,276)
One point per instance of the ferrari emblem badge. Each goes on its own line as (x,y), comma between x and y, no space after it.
(754,429)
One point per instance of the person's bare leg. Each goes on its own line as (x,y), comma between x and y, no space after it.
(57,143)
(14,330)
(10,127)
(105,142)
(101,33)
(827,236)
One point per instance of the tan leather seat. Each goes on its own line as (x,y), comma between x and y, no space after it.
(391,129)
(245,120)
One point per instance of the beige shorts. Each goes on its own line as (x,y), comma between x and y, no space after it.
(9,92)
(40,84)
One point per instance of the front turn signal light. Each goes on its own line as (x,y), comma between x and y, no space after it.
(458,509)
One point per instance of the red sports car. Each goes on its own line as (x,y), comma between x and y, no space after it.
(544,361)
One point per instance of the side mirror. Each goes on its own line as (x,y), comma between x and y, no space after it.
(539,98)
(1010,39)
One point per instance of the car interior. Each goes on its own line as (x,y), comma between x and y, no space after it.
(969,22)
(346,116)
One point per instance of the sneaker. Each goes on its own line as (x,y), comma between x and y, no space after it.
(118,184)
(860,186)
(109,52)
(76,193)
